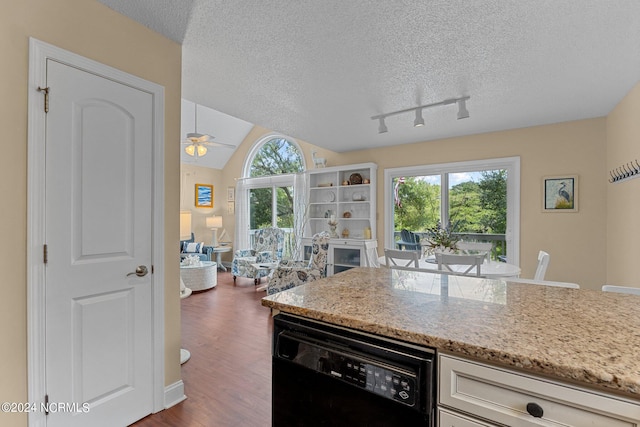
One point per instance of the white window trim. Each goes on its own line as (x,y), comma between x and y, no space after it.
(511,164)
(246,169)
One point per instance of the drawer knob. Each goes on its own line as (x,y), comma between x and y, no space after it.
(535,410)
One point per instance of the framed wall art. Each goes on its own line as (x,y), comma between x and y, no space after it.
(204,196)
(560,193)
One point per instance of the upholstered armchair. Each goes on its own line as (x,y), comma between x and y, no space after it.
(190,247)
(290,274)
(269,243)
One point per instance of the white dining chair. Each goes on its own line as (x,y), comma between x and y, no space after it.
(476,248)
(621,289)
(543,282)
(543,263)
(471,262)
(397,258)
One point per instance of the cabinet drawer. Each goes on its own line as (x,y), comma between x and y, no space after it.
(449,419)
(502,396)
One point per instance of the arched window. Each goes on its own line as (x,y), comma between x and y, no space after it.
(274,155)
(266,194)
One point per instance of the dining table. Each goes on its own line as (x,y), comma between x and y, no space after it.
(490,268)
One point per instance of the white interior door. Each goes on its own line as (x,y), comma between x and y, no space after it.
(99,330)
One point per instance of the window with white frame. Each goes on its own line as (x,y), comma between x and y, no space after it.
(478,200)
(265,196)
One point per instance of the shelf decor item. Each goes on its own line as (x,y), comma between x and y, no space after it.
(333,224)
(355,179)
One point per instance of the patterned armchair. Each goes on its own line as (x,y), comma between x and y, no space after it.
(269,243)
(290,274)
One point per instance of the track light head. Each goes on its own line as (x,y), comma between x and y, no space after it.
(382,128)
(419,121)
(463,113)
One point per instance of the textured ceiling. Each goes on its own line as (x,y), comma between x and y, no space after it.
(318,70)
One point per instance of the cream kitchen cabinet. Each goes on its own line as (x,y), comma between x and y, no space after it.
(451,419)
(475,394)
(345,254)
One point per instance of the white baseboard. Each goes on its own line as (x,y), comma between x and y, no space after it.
(174,394)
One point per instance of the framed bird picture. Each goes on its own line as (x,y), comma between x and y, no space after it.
(560,193)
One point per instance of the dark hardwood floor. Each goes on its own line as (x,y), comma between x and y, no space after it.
(228,378)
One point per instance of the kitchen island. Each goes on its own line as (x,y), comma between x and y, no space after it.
(575,336)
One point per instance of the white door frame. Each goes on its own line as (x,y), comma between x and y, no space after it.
(39,52)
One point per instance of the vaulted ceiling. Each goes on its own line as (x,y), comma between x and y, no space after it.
(318,70)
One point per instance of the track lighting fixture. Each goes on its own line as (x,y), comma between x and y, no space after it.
(463,113)
(382,128)
(419,121)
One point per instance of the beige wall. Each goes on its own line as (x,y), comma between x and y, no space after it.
(623,201)
(90,29)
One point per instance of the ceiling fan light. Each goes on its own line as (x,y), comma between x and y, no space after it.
(419,121)
(202,150)
(190,150)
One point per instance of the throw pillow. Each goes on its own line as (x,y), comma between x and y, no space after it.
(190,247)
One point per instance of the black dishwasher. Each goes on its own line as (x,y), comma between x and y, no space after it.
(325,375)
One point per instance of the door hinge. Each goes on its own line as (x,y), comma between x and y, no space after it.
(151,268)
(46,404)
(46,97)
(45,253)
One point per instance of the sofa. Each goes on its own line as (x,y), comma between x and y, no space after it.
(191,247)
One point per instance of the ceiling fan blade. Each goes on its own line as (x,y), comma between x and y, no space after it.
(219,144)
(204,140)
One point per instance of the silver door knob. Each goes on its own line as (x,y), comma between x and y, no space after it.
(140,271)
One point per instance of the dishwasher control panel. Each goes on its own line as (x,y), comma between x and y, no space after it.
(379,380)
(393,382)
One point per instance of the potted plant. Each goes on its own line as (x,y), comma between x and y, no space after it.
(442,239)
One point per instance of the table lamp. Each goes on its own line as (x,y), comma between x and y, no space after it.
(185,225)
(214,222)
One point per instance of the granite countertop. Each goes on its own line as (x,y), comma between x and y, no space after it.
(575,335)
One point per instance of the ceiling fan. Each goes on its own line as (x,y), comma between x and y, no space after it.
(196,143)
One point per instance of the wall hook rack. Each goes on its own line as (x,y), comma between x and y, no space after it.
(625,172)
